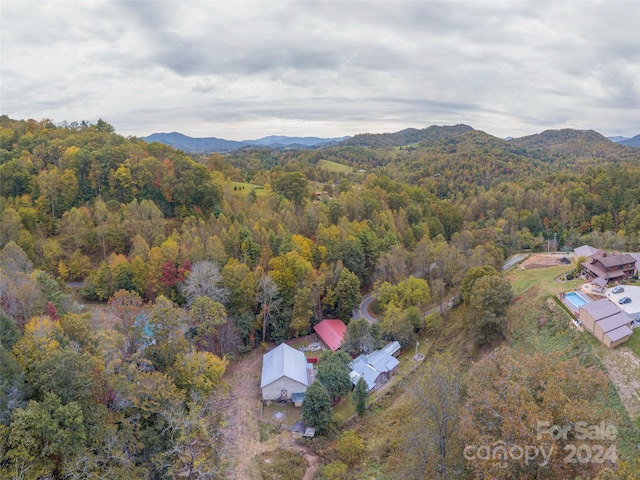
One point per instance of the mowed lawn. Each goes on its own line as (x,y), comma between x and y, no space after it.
(522,280)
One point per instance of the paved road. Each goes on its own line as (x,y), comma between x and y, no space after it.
(363,311)
(514,260)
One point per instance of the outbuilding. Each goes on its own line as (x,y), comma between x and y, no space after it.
(331,332)
(285,371)
(606,321)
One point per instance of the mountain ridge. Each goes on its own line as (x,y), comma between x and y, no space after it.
(561,140)
(213,144)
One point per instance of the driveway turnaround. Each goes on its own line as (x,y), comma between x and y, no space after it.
(633,293)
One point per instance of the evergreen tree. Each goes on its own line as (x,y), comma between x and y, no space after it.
(359,397)
(316,407)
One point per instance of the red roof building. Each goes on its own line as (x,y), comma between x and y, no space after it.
(331,332)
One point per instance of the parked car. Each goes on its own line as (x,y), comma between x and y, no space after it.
(624,300)
(618,290)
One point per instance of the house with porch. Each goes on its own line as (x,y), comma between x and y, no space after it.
(612,267)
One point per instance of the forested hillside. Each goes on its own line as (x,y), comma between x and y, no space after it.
(189,259)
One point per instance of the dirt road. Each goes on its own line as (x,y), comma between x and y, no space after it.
(242,432)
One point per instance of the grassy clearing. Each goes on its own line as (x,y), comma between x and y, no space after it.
(522,280)
(634,343)
(335,167)
(281,464)
(344,409)
(241,189)
(267,430)
(278,413)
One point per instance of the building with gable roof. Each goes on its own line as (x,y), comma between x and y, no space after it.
(285,371)
(331,332)
(376,368)
(606,321)
(612,267)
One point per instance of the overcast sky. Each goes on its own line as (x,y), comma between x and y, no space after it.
(241,70)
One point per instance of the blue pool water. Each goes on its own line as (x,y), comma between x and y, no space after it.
(576,299)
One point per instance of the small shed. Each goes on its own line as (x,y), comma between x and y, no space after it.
(298,398)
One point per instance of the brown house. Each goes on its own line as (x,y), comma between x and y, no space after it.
(608,323)
(609,266)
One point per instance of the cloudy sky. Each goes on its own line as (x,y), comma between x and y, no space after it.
(241,70)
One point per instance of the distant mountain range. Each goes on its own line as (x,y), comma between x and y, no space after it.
(629,142)
(213,144)
(565,140)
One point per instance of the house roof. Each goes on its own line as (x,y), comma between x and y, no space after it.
(614,321)
(600,282)
(331,331)
(362,369)
(618,333)
(600,309)
(371,366)
(392,347)
(284,361)
(613,260)
(585,251)
(599,271)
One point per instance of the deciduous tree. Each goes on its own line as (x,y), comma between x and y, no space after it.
(333,372)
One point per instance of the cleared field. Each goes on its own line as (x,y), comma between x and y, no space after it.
(335,167)
(240,189)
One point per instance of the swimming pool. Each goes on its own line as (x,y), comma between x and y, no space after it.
(575,299)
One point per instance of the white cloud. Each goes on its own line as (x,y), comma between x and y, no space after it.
(246,69)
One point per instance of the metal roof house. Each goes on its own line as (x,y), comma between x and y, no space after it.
(285,371)
(331,332)
(376,368)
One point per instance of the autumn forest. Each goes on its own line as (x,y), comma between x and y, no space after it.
(132,275)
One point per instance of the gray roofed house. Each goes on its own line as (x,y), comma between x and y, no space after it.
(376,368)
(284,372)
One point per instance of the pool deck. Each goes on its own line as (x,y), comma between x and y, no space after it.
(572,308)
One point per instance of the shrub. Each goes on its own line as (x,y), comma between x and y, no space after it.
(350,447)
(334,471)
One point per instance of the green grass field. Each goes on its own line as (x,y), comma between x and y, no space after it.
(335,167)
(241,189)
